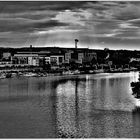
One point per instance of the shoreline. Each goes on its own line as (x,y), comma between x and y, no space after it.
(31,73)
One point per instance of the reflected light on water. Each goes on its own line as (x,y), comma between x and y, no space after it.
(66,109)
(91,105)
(137,102)
(84,106)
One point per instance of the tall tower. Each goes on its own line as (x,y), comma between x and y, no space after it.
(76,40)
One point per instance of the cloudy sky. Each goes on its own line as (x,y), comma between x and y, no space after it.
(101,24)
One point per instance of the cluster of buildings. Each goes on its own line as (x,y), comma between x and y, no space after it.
(57,57)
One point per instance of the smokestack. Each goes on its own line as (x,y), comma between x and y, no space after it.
(31,46)
(76,40)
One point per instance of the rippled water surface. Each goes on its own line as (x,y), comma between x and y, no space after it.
(90,106)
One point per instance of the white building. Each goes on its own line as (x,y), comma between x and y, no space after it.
(27,59)
(47,60)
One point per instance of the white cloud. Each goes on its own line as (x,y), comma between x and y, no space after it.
(128,25)
(73,17)
(109,35)
(52,31)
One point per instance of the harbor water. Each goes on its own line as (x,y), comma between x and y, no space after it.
(74,106)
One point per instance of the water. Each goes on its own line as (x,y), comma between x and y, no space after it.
(90,106)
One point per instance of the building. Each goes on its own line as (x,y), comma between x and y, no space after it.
(67,57)
(74,56)
(6,59)
(56,59)
(51,58)
(6,55)
(44,58)
(80,56)
(89,57)
(38,58)
(47,60)
(26,58)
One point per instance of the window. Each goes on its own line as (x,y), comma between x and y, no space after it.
(60,59)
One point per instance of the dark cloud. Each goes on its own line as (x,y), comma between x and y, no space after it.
(111,22)
(21,6)
(23,25)
(135,22)
(46,25)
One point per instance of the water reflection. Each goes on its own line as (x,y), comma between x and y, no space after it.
(90,106)
(94,108)
(136,122)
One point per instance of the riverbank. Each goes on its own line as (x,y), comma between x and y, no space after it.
(44,73)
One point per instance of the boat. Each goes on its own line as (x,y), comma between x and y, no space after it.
(76,72)
(68,72)
(91,71)
(30,74)
(2,76)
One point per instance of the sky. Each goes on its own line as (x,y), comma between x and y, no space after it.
(96,24)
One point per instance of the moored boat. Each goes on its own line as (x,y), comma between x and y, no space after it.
(30,74)
(2,76)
